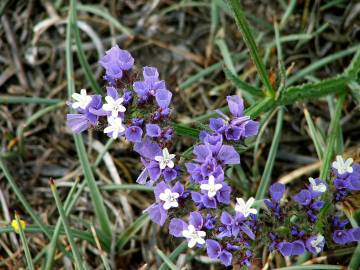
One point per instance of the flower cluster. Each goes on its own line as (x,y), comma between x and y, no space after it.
(193,195)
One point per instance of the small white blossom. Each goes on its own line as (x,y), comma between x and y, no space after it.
(211,187)
(82,99)
(245,207)
(318,243)
(343,166)
(114,106)
(165,160)
(321,187)
(169,198)
(194,237)
(115,126)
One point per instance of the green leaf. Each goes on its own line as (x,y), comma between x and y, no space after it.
(237,82)
(312,267)
(180,249)
(182,130)
(250,43)
(166,259)
(330,144)
(80,52)
(315,135)
(95,195)
(28,100)
(326,60)
(102,12)
(112,187)
(265,179)
(132,230)
(75,251)
(25,244)
(68,205)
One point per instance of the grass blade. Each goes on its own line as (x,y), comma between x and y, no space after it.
(322,62)
(330,144)
(95,194)
(315,135)
(28,100)
(183,130)
(312,267)
(265,179)
(102,12)
(68,205)
(237,82)
(132,230)
(29,261)
(97,201)
(75,251)
(166,259)
(80,51)
(22,199)
(250,43)
(181,248)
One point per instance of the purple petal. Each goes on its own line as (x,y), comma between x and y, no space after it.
(77,122)
(341,237)
(213,248)
(285,248)
(133,134)
(277,191)
(225,257)
(150,74)
(153,130)
(154,170)
(157,214)
(226,218)
(355,234)
(228,155)
(148,149)
(196,220)
(160,188)
(298,248)
(169,174)
(176,227)
(178,188)
(163,98)
(247,231)
(112,92)
(236,105)
(251,128)
(141,88)
(201,152)
(143,176)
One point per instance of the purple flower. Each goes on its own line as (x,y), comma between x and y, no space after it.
(291,249)
(153,130)
(341,237)
(115,61)
(315,244)
(215,251)
(233,225)
(217,124)
(277,191)
(163,98)
(355,234)
(166,198)
(192,231)
(236,105)
(303,197)
(133,134)
(87,117)
(150,74)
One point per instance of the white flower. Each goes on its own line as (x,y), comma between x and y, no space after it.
(321,187)
(114,106)
(194,236)
(169,199)
(165,160)
(245,208)
(318,243)
(82,99)
(115,126)
(343,166)
(211,187)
